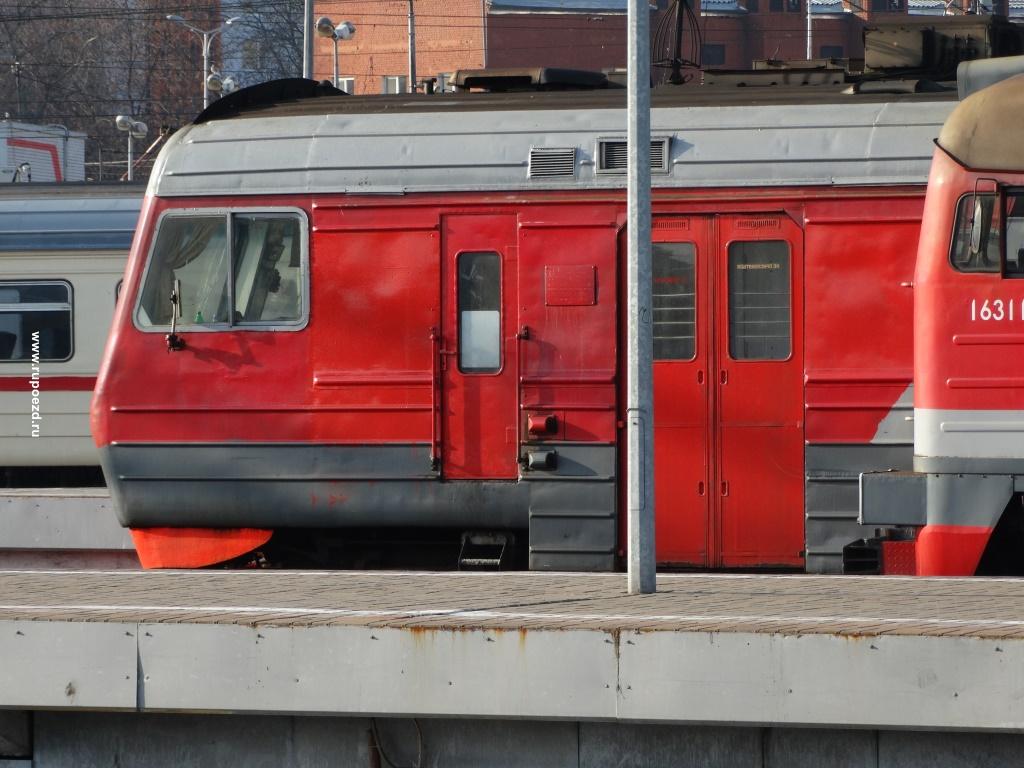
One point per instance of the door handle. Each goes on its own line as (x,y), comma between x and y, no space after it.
(700,377)
(700,488)
(723,377)
(725,487)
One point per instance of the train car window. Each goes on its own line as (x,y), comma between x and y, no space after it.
(479,301)
(267,268)
(759,300)
(673,298)
(35,319)
(1014,217)
(260,283)
(976,233)
(192,249)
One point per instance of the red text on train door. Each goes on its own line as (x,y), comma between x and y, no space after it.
(478,361)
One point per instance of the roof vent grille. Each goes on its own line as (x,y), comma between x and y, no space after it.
(552,161)
(612,156)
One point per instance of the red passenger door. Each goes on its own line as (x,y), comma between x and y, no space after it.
(759,381)
(682,441)
(728,390)
(478,358)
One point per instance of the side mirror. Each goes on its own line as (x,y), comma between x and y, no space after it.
(977,225)
(174,342)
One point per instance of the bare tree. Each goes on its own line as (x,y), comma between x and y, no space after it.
(80,63)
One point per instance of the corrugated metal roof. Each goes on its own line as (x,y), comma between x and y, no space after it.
(558,6)
(841,141)
(828,6)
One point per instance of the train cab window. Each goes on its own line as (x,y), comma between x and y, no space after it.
(976,234)
(35,319)
(1014,217)
(673,299)
(479,302)
(265,265)
(267,274)
(759,300)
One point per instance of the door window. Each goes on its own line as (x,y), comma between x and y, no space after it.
(759,300)
(673,300)
(479,312)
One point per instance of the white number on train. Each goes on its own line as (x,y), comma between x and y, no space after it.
(994,309)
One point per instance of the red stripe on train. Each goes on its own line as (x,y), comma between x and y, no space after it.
(22,383)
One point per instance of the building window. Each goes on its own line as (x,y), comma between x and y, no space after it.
(888,6)
(392,84)
(35,319)
(775,6)
(751,6)
(252,58)
(793,6)
(712,54)
(191,259)
(347,84)
(831,52)
(479,312)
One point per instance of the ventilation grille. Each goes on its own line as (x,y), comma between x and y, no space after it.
(757,224)
(612,155)
(670,222)
(552,161)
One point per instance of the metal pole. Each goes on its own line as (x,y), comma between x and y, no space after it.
(307,41)
(412,49)
(335,39)
(130,158)
(810,46)
(639,343)
(206,68)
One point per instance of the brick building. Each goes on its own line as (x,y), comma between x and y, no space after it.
(590,34)
(468,34)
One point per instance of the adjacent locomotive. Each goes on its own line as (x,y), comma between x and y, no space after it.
(960,511)
(63,249)
(346,312)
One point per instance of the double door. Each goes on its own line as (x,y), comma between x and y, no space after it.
(728,390)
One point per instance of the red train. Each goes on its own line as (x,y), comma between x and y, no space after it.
(959,512)
(406,312)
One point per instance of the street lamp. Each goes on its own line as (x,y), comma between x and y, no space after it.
(222,84)
(208,35)
(344,31)
(135,130)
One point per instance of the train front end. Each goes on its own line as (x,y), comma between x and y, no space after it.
(959,512)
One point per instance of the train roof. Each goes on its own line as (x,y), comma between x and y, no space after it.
(68,217)
(554,140)
(985,131)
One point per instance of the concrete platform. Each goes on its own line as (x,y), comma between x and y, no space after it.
(844,652)
(62,528)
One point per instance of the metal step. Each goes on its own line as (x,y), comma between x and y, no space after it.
(484,550)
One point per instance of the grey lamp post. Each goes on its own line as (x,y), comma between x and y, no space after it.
(208,36)
(135,130)
(344,31)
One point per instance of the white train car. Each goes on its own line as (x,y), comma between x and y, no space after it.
(63,249)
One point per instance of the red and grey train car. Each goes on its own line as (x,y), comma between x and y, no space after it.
(372,312)
(63,249)
(959,512)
